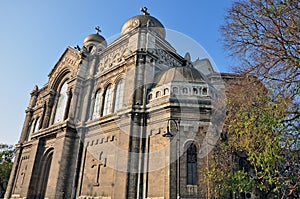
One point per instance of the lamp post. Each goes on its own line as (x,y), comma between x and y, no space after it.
(169,134)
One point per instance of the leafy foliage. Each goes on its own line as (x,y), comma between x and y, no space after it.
(7,154)
(262,121)
(264,36)
(253,158)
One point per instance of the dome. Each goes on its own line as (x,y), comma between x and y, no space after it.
(143,21)
(180,74)
(95,38)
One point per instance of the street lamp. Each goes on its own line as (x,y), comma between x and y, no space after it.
(169,134)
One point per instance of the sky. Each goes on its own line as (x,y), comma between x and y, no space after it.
(34,34)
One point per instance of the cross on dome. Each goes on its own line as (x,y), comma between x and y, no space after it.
(98,30)
(145,10)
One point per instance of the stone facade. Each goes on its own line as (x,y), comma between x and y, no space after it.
(103,135)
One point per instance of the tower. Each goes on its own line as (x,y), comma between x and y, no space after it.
(129,119)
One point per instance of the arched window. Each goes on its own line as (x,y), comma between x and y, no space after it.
(44,170)
(61,104)
(31,130)
(185,91)
(36,125)
(166,91)
(175,90)
(107,101)
(158,94)
(192,174)
(96,111)
(195,91)
(204,91)
(119,93)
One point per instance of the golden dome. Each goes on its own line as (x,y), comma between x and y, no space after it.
(180,74)
(95,38)
(143,21)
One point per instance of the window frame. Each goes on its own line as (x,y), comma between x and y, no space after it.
(107,100)
(119,95)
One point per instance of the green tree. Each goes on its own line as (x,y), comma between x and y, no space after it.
(251,156)
(7,154)
(263,122)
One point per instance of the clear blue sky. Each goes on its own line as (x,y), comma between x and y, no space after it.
(34,34)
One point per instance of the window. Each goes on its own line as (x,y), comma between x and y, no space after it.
(158,94)
(31,130)
(107,101)
(36,125)
(204,91)
(185,91)
(166,91)
(119,95)
(96,111)
(192,174)
(195,91)
(43,174)
(61,104)
(175,90)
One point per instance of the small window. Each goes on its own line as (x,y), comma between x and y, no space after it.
(195,91)
(185,91)
(175,90)
(36,125)
(166,91)
(150,96)
(31,130)
(204,91)
(158,94)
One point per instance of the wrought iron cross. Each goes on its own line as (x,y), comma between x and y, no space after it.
(145,10)
(97,28)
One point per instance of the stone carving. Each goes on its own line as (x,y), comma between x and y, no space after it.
(23,172)
(97,164)
(165,58)
(111,58)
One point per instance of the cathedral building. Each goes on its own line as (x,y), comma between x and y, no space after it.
(125,120)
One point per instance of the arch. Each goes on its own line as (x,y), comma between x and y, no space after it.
(107,100)
(61,77)
(61,103)
(96,110)
(119,94)
(43,174)
(191,161)
(188,142)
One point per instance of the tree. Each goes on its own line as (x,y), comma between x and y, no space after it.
(264,36)
(263,125)
(250,156)
(7,154)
